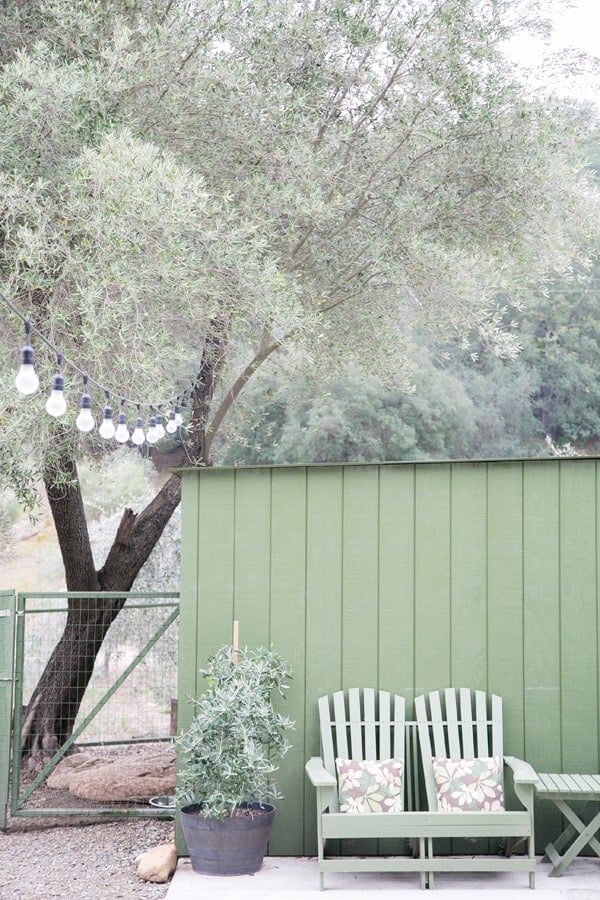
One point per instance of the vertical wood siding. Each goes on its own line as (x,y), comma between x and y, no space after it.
(407,577)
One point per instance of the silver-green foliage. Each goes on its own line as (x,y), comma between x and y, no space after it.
(232,747)
(321,177)
(9,512)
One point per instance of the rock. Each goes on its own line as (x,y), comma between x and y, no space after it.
(60,778)
(157,864)
(137,778)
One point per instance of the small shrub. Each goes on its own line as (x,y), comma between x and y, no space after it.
(232,748)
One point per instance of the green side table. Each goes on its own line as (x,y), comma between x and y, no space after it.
(563,790)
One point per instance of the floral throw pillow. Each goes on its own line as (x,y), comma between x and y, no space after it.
(370,786)
(469,785)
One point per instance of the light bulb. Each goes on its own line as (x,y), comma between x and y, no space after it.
(178,417)
(107,428)
(122,431)
(160,428)
(152,433)
(138,437)
(85,419)
(56,404)
(171,425)
(27,381)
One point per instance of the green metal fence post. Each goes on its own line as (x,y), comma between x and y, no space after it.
(7,636)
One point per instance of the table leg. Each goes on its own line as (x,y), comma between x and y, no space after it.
(586,836)
(563,839)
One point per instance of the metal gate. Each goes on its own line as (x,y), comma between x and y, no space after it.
(127,708)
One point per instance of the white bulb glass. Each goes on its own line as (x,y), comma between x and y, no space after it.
(85,419)
(160,428)
(27,381)
(122,431)
(152,433)
(138,437)
(178,417)
(56,404)
(107,427)
(171,426)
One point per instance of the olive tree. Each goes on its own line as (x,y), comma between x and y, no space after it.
(188,189)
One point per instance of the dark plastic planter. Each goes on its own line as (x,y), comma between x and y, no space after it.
(234,845)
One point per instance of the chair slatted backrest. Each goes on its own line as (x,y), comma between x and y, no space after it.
(361,724)
(457,724)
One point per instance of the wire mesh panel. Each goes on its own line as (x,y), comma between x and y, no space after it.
(95,702)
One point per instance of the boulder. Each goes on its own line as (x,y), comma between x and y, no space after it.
(60,778)
(127,778)
(157,864)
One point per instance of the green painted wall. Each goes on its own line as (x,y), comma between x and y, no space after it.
(407,577)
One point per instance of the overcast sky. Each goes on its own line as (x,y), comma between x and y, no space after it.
(576,28)
(580,26)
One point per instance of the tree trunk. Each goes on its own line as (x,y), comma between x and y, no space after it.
(53,708)
(54,705)
(55,702)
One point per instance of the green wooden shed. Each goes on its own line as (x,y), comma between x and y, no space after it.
(408,577)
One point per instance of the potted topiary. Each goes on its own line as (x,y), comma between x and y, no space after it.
(227,758)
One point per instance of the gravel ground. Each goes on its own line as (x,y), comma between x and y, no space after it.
(78,861)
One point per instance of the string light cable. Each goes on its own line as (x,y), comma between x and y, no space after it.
(27,383)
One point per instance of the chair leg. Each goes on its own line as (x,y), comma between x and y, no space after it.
(430,876)
(321,852)
(531,852)
(422,874)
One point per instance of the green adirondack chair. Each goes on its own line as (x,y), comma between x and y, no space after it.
(464,724)
(368,725)
(359,725)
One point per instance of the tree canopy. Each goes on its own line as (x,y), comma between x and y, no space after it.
(321,176)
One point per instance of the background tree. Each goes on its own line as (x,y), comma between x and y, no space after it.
(188,189)
(564,349)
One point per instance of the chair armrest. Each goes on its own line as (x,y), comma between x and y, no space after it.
(523,773)
(318,774)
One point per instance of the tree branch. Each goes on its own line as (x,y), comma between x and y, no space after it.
(137,536)
(265,350)
(61,481)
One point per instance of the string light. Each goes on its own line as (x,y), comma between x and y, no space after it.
(85,419)
(171,426)
(152,433)
(137,436)
(107,428)
(122,431)
(56,405)
(27,381)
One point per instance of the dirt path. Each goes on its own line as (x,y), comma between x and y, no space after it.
(96,861)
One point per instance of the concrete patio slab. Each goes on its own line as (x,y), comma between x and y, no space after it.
(293,878)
